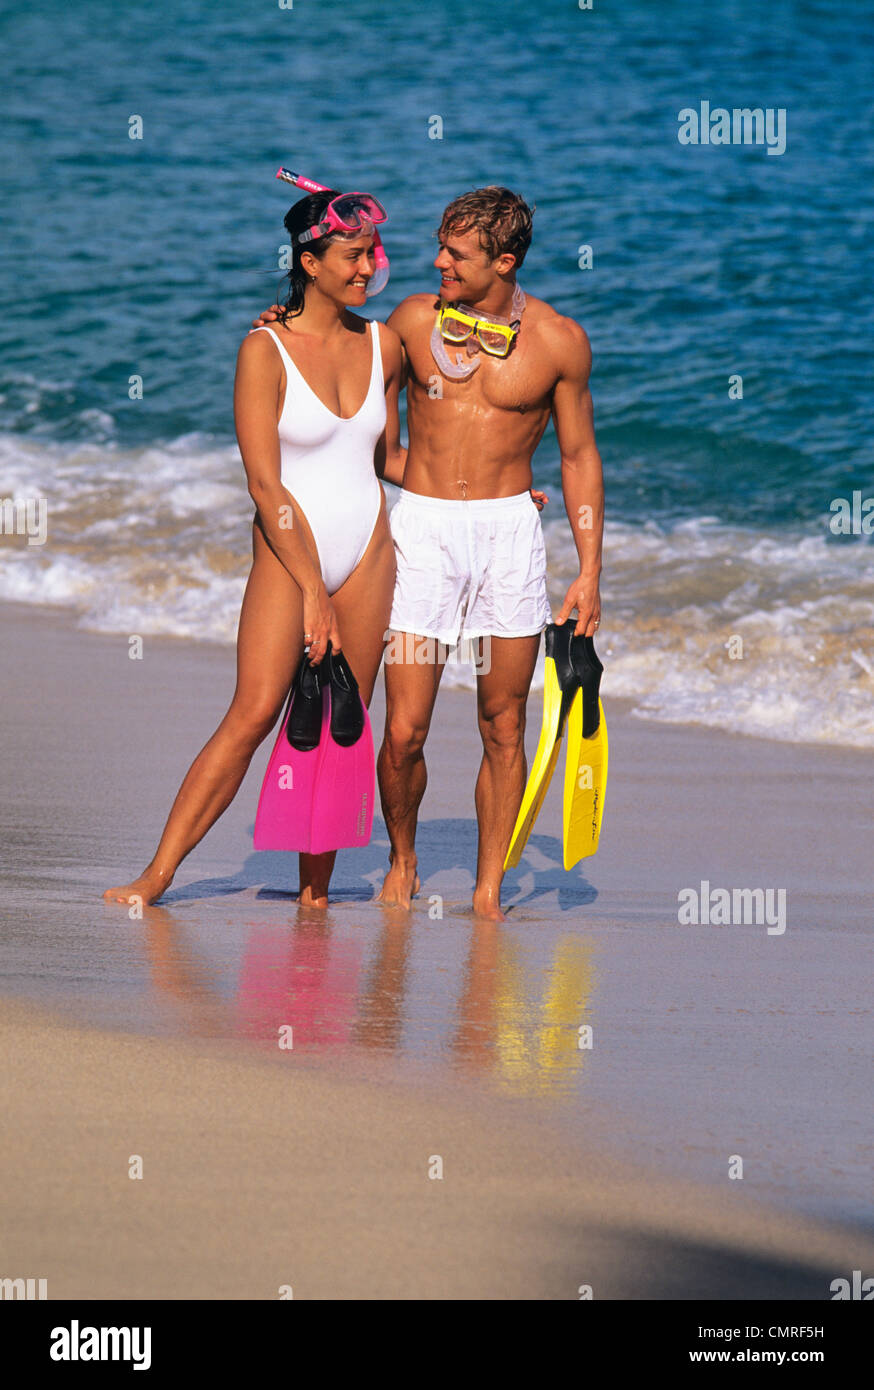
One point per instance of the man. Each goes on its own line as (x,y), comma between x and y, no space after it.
(469,546)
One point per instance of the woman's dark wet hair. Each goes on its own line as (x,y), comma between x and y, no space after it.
(299,218)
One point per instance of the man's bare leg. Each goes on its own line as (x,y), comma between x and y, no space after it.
(410,691)
(502,694)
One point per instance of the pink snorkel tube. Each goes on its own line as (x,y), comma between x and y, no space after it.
(379,278)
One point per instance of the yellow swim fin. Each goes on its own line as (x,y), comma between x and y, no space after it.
(560,687)
(585,774)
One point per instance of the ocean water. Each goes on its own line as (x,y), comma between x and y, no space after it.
(728,599)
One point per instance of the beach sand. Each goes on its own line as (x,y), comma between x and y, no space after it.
(260,1174)
(433,1036)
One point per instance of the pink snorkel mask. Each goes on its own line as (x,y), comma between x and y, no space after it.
(349,213)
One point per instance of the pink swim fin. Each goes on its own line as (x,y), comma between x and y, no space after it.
(318,790)
(342,815)
(284,816)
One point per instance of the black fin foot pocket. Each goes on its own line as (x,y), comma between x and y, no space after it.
(347,710)
(304,727)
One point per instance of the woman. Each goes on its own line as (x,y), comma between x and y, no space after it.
(316,413)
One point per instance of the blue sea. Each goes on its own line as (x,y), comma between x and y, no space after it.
(729,598)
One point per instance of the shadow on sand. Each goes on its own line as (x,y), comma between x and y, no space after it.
(445,847)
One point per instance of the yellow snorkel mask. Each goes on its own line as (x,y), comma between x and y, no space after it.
(459,323)
(494,335)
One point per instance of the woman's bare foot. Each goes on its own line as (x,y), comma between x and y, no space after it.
(400,883)
(312,897)
(314,878)
(149,887)
(487,903)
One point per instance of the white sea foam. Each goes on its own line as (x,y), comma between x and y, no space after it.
(158,540)
(675,603)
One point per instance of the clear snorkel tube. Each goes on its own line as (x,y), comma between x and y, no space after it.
(459,370)
(382,270)
(379,278)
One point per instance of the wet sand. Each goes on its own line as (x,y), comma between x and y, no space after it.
(433,1036)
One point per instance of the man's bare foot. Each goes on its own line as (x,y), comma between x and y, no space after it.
(149,887)
(400,883)
(487,903)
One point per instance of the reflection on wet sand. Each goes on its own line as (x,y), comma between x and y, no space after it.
(303,979)
(339,984)
(502,1028)
(380,1020)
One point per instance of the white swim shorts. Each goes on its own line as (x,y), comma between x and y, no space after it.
(469,569)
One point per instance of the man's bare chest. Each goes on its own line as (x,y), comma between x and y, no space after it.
(522,382)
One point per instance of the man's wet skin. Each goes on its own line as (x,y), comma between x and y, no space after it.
(474,439)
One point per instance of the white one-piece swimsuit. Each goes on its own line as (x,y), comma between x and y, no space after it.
(327,465)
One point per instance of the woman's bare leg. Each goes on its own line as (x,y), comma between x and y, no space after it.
(269,647)
(363,608)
